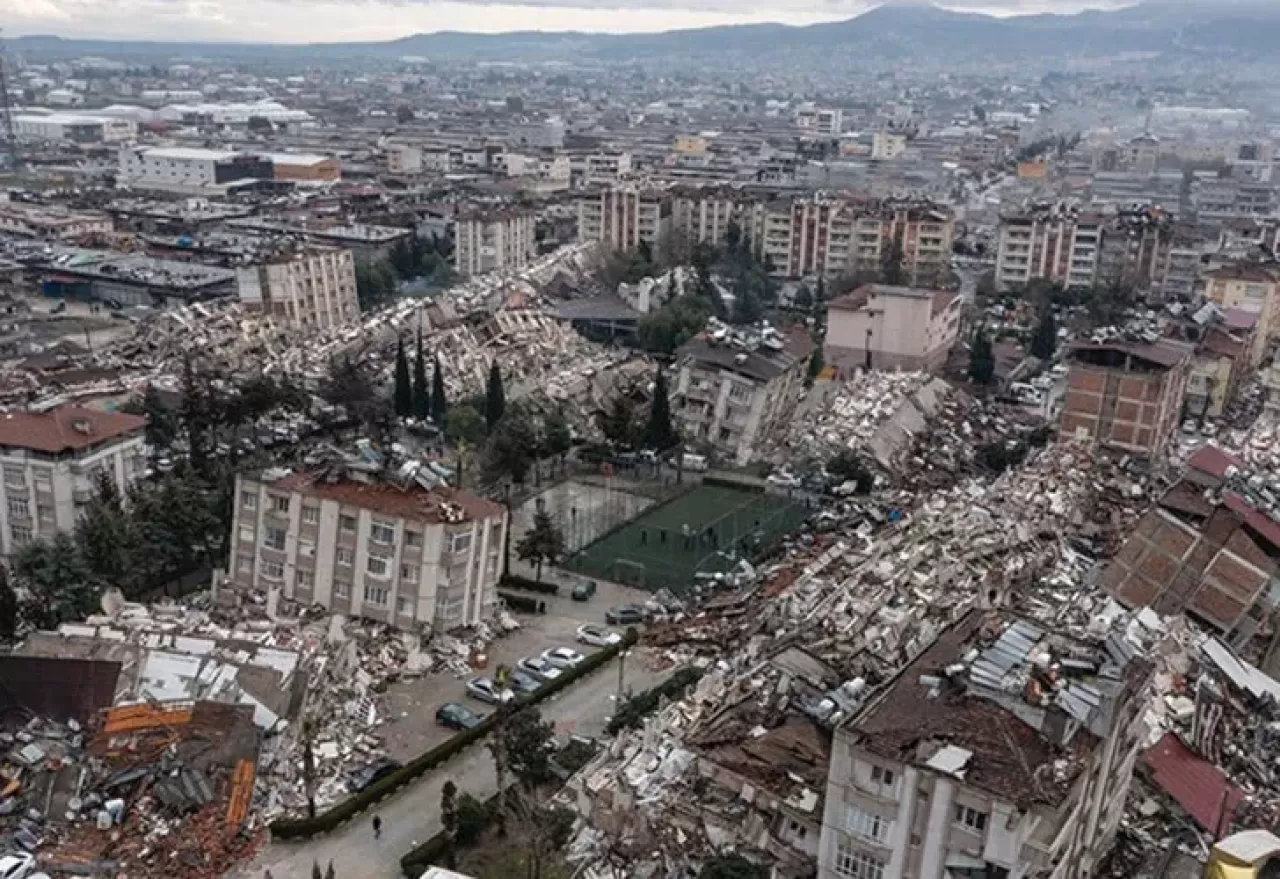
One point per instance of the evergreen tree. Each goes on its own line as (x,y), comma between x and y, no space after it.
(815,366)
(8,606)
(59,586)
(618,422)
(557,439)
(421,397)
(982,360)
(197,415)
(105,537)
(891,264)
(439,405)
(403,397)
(1045,340)
(659,434)
(543,543)
(495,398)
(820,297)
(162,425)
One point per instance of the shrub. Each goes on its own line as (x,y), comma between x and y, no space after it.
(515,581)
(633,712)
(473,817)
(523,603)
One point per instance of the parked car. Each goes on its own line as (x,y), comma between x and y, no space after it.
(363,778)
(523,682)
(456,716)
(539,667)
(584,590)
(597,636)
(562,657)
(486,690)
(624,615)
(18,865)
(783,479)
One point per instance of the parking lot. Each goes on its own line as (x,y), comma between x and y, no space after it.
(413,703)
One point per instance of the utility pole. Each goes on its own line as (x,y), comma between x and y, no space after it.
(8,141)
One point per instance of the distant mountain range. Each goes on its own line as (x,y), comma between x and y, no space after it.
(1243,29)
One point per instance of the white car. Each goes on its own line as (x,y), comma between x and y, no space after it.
(783,479)
(17,865)
(563,657)
(598,636)
(483,689)
(539,667)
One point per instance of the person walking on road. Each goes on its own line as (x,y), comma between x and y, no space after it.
(377,827)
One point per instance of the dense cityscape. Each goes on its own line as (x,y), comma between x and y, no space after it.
(840,451)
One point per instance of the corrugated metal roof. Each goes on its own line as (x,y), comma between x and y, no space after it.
(1193,782)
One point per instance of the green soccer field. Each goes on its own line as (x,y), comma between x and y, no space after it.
(704,530)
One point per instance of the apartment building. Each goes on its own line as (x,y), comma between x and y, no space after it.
(72,128)
(1252,287)
(622,217)
(1002,750)
(312,289)
(882,327)
(1048,244)
(826,121)
(189,170)
(703,215)
(51,222)
(600,168)
(1126,396)
(51,461)
(403,555)
(494,241)
(727,399)
(887,145)
(403,158)
(299,167)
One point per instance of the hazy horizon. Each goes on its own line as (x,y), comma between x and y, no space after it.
(327,21)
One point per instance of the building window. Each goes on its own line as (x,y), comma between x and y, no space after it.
(272,570)
(248,500)
(306,549)
(796,829)
(244,564)
(274,538)
(44,513)
(461,542)
(412,538)
(310,514)
(279,504)
(15,477)
(381,532)
(971,818)
(347,523)
(246,534)
(44,481)
(376,595)
(378,565)
(409,573)
(19,509)
(404,605)
(865,825)
(342,590)
(854,864)
(346,557)
(305,579)
(881,776)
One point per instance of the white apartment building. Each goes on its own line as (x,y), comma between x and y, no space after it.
(887,145)
(1063,247)
(600,169)
(406,556)
(698,216)
(497,241)
(51,460)
(188,169)
(403,158)
(820,120)
(727,400)
(76,128)
(623,217)
(311,289)
(1002,750)
(900,328)
(51,222)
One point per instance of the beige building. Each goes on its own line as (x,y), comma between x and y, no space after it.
(400,555)
(887,145)
(624,216)
(900,327)
(1252,287)
(727,400)
(1047,245)
(1002,750)
(313,289)
(51,462)
(51,222)
(497,241)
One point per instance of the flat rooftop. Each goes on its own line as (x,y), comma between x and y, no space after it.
(434,506)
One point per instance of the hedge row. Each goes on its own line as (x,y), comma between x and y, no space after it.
(633,712)
(302,828)
(515,581)
(523,603)
(421,859)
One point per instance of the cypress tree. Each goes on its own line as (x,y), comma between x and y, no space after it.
(421,399)
(495,398)
(439,405)
(403,394)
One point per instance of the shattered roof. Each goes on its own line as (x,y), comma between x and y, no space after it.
(412,502)
(1195,783)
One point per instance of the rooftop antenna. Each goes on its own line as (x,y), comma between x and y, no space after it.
(8,142)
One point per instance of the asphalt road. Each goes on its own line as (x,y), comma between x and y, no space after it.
(412,816)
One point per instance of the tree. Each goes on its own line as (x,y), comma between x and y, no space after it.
(891,267)
(197,414)
(495,398)
(541,544)
(746,306)
(105,537)
(449,822)
(982,360)
(403,395)
(731,866)
(260,125)
(820,296)
(510,450)
(464,424)
(674,324)
(421,397)
(162,422)
(404,114)
(8,606)
(528,741)
(618,423)
(375,284)
(803,298)
(329,871)
(1045,340)
(659,434)
(439,405)
(733,236)
(557,439)
(57,583)
(816,366)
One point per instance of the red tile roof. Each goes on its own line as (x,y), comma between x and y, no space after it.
(1214,461)
(1193,782)
(65,429)
(414,503)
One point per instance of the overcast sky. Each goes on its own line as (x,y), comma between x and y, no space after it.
(298,21)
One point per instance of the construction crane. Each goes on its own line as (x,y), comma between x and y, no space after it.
(8,141)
